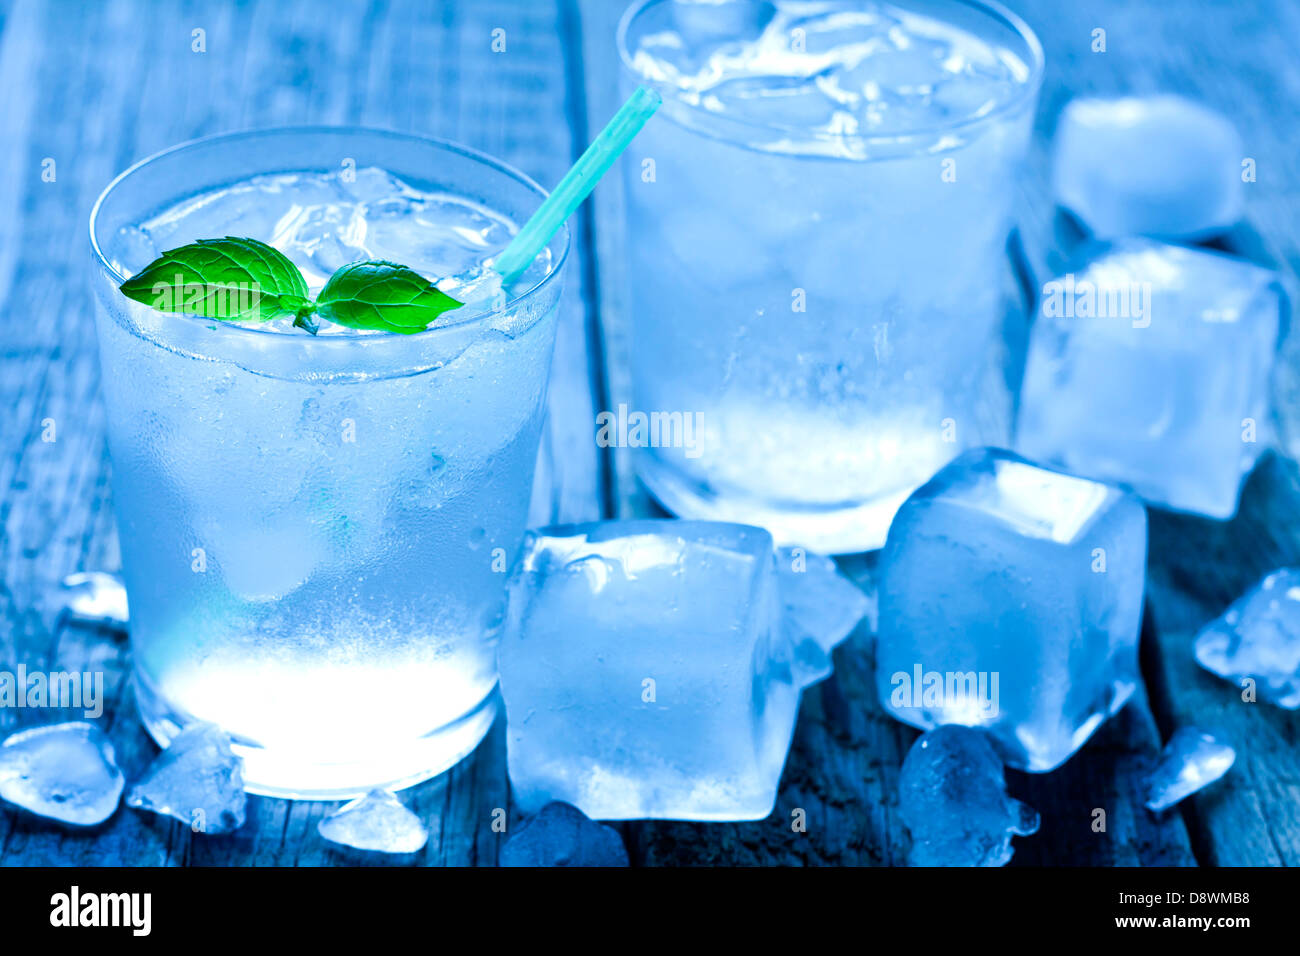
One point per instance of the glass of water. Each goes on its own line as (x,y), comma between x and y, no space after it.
(817,250)
(316,530)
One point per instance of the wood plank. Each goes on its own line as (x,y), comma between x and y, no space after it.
(408,65)
(1235,58)
(1107,775)
(596,22)
(1253,816)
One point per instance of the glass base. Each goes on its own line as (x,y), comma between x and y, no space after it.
(388,764)
(829,530)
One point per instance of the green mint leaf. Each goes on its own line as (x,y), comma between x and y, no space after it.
(382,295)
(231,279)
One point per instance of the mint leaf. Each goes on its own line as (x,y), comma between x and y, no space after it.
(382,295)
(243,279)
(231,279)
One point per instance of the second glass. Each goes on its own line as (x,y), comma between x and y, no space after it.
(817,229)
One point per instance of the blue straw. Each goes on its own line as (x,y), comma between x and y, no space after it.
(577,184)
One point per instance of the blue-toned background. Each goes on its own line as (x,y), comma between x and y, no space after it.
(87,88)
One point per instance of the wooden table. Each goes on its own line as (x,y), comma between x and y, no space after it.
(93,86)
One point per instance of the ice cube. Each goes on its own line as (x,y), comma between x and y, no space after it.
(1150,368)
(778,101)
(1192,760)
(647,672)
(322,238)
(197,779)
(250,208)
(820,608)
(372,185)
(705,21)
(1258,638)
(690,237)
(1011,599)
(480,290)
(377,821)
(67,772)
(133,250)
(953,800)
(95,597)
(1155,166)
(434,235)
(841,32)
(562,835)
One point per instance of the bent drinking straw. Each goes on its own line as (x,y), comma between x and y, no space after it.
(577,184)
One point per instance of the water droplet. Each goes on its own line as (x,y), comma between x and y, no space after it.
(494,616)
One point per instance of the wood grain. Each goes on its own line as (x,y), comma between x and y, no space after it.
(1233,57)
(84,84)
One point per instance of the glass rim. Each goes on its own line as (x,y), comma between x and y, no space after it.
(1025,92)
(447,145)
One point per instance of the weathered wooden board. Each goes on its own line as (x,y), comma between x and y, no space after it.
(96,86)
(1233,57)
